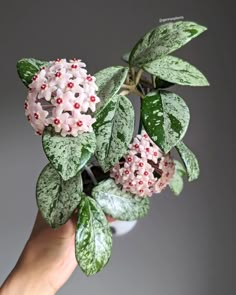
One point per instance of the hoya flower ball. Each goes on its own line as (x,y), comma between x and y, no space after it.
(63,95)
(144,170)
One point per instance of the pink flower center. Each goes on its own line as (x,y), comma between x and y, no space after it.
(92,98)
(35,77)
(59,100)
(146,173)
(26,105)
(79,123)
(58,60)
(58,74)
(56,121)
(147,150)
(76,105)
(130,183)
(141,190)
(28,117)
(43,86)
(155,154)
(126,172)
(89,78)
(129,159)
(140,164)
(39,133)
(36,116)
(136,146)
(149,183)
(140,182)
(74,66)
(70,85)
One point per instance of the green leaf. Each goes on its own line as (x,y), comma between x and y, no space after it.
(175,70)
(93,237)
(119,204)
(163,40)
(114,128)
(125,57)
(57,199)
(68,154)
(109,81)
(190,161)
(176,184)
(165,117)
(28,67)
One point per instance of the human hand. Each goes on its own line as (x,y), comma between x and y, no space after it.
(47,261)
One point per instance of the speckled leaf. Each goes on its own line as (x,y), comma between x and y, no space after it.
(93,237)
(27,68)
(163,40)
(114,128)
(119,204)
(125,57)
(57,199)
(175,70)
(190,161)
(68,154)
(165,117)
(177,184)
(109,81)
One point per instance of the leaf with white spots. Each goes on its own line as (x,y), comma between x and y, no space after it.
(114,128)
(119,204)
(165,117)
(68,154)
(109,81)
(163,40)
(57,199)
(190,161)
(177,184)
(93,242)
(27,68)
(175,70)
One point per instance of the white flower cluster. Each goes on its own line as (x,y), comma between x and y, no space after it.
(145,170)
(61,94)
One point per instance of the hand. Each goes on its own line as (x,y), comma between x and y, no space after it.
(47,261)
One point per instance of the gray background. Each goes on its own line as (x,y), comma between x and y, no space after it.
(185,245)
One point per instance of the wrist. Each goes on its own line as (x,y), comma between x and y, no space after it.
(24,282)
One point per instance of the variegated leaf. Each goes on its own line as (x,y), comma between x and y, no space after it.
(109,81)
(177,184)
(114,128)
(93,242)
(163,40)
(119,204)
(175,70)
(165,117)
(57,199)
(125,57)
(68,154)
(190,161)
(27,68)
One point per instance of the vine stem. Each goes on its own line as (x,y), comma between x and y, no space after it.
(91,175)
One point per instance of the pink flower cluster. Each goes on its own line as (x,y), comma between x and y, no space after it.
(144,170)
(61,94)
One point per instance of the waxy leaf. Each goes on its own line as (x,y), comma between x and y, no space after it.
(125,57)
(68,154)
(57,199)
(190,161)
(109,81)
(93,241)
(119,204)
(114,128)
(163,40)
(28,67)
(165,117)
(176,184)
(175,70)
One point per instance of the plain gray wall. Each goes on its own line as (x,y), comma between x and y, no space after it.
(185,245)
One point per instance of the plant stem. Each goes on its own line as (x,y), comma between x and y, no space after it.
(91,175)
